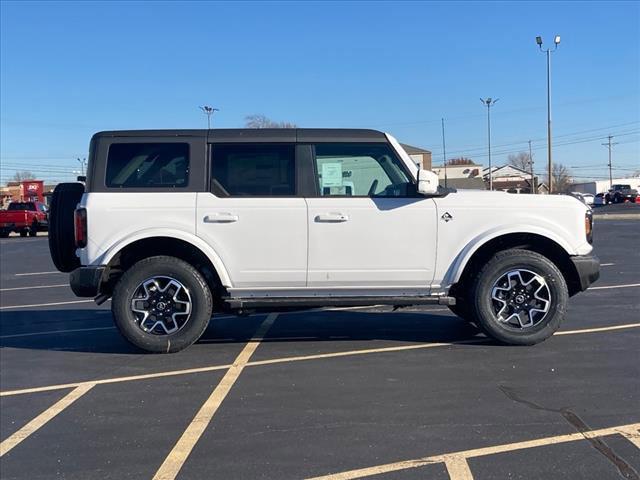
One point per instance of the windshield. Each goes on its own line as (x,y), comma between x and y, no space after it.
(22,206)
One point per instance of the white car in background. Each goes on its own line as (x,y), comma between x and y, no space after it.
(589,198)
(600,199)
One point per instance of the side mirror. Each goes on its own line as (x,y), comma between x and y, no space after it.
(427,182)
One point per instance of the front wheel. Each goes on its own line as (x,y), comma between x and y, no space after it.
(162,304)
(519,297)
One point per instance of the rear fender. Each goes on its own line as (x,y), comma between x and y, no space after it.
(105,257)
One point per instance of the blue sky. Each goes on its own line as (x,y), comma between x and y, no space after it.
(68,69)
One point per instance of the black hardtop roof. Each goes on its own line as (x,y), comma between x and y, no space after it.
(260,134)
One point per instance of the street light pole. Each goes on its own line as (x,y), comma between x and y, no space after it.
(556,42)
(208,111)
(83,162)
(533,179)
(444,155)
(489,102)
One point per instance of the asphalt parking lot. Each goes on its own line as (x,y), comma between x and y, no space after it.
(336,394)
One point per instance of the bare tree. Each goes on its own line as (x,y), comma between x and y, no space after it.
(521,161)
(561,178)
(460,161)
(22,175)
(261,121)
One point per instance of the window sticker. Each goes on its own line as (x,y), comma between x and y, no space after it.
(331,175)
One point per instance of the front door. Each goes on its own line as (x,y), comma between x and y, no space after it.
(368,229)
(252,217)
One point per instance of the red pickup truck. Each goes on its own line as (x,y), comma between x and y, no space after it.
(24,218)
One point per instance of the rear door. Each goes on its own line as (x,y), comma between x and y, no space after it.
(252,217)
(368,227)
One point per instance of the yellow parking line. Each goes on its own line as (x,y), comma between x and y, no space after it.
(629,431)
(615,286)
(31,288)
(598,329)
(457,467)
(632,434)
(318,356)
(45,304)
(43,418)
(366,351)
(180,452)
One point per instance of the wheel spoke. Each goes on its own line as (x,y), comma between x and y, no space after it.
(161,305)
(520,298)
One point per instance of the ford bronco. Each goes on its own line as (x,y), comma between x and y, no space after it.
(174,226)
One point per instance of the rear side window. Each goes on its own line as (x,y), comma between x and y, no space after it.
(148,165)
(253,170)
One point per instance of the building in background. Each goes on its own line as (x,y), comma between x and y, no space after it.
(28,190)
(467,175)
(508,178)
(420,156)
(601,186)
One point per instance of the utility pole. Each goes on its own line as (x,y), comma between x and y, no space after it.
(533,179)
(609,145)
(489,102)
(444,155)
(208,111)
(548,51)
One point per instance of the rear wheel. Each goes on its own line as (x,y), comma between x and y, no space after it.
(162,304)
(23,233)
(519,297)
(33,231)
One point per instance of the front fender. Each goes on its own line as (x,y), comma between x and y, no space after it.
(458,265)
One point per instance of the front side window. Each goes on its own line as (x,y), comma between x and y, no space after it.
(253,170)
(148,165)
(360,170)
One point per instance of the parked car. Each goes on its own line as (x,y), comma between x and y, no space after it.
(175,225)
(25,218)
(599,199)
(579,196)
(589,198)
(620,193)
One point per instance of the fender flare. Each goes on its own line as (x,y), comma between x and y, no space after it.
(454,272)
(105,257)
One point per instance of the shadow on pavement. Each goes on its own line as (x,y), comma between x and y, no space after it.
(93,330)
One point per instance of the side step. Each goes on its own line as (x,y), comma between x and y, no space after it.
(242,303)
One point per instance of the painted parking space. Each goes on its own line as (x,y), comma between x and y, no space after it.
(321,393)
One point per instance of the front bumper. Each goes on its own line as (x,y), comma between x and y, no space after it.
(588,268)
(85,281)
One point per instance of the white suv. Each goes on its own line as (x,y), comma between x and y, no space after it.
(176,225)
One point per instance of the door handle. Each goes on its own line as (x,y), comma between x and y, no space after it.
(221,218)
(332,217)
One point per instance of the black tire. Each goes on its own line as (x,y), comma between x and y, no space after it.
(4,233)
(162,266)
(23,233)
(483,305)
(617,198)
(33,231)
(62,243)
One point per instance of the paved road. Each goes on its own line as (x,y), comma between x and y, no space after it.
(407,394)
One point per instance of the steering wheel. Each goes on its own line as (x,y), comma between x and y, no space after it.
(372,188)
